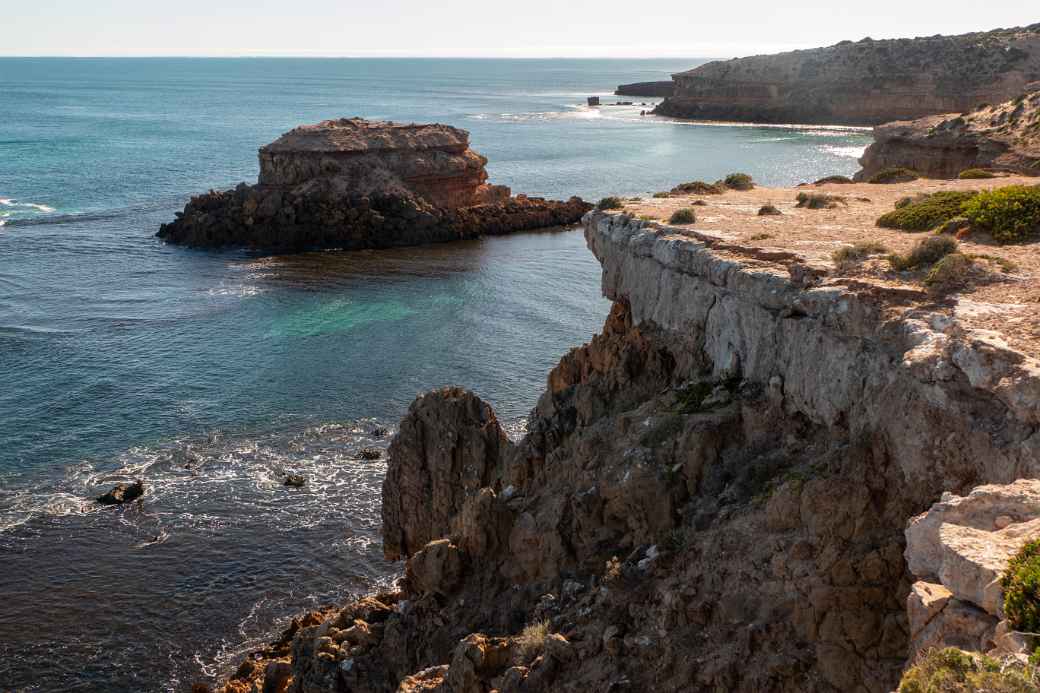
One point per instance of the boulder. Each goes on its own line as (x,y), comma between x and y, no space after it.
(123,493)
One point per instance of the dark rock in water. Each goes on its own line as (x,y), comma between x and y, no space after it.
(295,480)
(122,493)
(379,432)
(369,454)
(352,184)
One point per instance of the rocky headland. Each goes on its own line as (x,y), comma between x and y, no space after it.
(354,184)
(862,83)
(713,492)
(663,88)
(1002,137)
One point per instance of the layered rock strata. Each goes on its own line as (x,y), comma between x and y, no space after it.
(355,184)
(665,88)
(711,494)
(1005,137)
(863,83)
(958,550)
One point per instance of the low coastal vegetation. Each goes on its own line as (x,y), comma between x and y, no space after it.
(927,252)
(925,212)
(531,640)
(662,194)
(769,211)
(1009,214)
(819,200)
(611,202)
(1021,586)
(841,180)
(951,272)
(685,215)
(951,670)
(893,175)
(698,187)
(975,174)
(738,181)
(857,252)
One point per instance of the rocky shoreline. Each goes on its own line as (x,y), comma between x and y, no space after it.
(712,493)
(352,184)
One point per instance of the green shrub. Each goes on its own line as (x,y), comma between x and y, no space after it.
(975,174)
(738,181)
(842,180)
(857,252)
(927,252)
(1009,214)
(659,195)
(682,216)
(952,271)
(611,202)
(531,640)
(954,671)
(698,187)
(768,211)
(1021,585)
(925,212)
(894,175)
(818,200)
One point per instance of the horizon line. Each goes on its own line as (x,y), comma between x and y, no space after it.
(297,56)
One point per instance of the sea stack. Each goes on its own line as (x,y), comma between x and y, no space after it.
(866,82)
(353,183)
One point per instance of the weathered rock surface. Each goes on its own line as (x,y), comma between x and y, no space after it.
(959,550)
(711,494)
(862,83)
(122,493)
(1005,137)
(665,88)
(355,184)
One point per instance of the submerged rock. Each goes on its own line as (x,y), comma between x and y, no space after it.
(355,184)
(123,493)
(369,454)
(295,480)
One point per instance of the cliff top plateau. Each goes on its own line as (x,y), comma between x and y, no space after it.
(864,82)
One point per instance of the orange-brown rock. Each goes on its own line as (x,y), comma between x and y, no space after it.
(1004,137)
(862,83)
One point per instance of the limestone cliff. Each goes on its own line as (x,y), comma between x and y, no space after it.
(1004,137)
(862,83)
(711,494)
(353,184)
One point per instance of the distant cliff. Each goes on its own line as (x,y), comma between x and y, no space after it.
(863,83)
(1003,137)
(646,89)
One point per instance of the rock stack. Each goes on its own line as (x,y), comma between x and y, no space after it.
(355,184)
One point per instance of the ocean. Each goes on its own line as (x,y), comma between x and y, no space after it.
(211,375)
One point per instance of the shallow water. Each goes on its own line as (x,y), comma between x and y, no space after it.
(211,375)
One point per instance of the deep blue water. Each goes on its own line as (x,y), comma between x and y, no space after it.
(120,356)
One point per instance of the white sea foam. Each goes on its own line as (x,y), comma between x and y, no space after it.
(12,203)
(850,152)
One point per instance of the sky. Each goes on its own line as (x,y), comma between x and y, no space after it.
(474,28)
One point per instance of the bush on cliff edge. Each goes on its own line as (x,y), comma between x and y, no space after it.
(955,671)
(1021,585)
(926,212)
(611,202)
(1010,214)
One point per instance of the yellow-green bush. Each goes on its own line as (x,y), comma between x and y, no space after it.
(926,212)
(1021,585)
(975,174)
(1010,214)
(954,671)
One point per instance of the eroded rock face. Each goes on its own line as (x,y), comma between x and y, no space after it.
(1004,137)
(711,495)
(958,550)
(355,184)
(862,83)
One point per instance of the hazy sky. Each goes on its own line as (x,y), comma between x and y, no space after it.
(531,28)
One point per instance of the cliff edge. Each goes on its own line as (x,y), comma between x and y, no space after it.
(863,83)
(712,493)
(352,184)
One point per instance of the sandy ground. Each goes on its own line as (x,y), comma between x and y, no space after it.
(1007,302)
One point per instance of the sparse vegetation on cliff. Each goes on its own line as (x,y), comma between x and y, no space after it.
(769,211)
(738,181)
(1021,585)
(842,180)
(611,202)
(926,212)
(951,272)
(927,252)
(893,175)
(819,200)
(955,671)
(698,187)
(1010,214)
(975,174)
(684,215)
(857,252)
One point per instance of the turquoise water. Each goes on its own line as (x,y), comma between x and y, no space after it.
(213,374)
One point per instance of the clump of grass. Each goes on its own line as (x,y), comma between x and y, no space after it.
(925,212)
(1021,585)
(951,272)
(760,237)
(927,252)
(857,252)
(1010,214)
(698,187)
(699,203)
(818,200)
(895,174)
(1005,265)
(769,211)
(951,670)
(647,217)
(684,215)
(531,640)
(738,181)
(612,202)
(659,195)
(975,174)
(842,180)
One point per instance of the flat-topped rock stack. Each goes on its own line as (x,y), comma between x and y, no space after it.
(865,82)
(1004,137)
(353,183)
